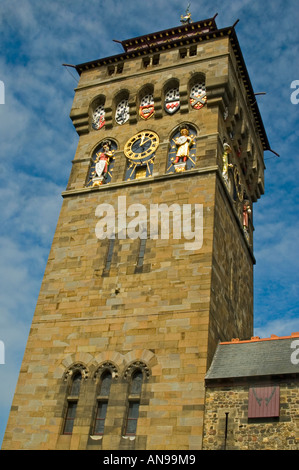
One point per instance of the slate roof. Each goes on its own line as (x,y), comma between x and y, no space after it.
(255,358)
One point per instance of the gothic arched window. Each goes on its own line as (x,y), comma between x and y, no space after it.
(72,402)
(102,403)
(133,403)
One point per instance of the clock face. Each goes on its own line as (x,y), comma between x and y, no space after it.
(141,146)
(140,152)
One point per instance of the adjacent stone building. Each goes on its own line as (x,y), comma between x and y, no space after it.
(152,259)
(252,395)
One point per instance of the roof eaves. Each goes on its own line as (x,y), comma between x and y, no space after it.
(257,338)
(204,26)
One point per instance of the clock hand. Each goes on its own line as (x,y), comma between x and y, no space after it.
(143,141)
(141,144)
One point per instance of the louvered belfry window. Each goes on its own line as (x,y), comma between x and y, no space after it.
(263,402)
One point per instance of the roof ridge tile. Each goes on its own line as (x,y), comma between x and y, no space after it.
(257,338)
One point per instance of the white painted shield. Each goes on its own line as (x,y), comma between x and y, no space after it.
(100,167)
(172,107)
(181,140)
(172,101)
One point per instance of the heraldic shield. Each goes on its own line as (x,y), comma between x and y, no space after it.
(172,101)
(100,166)
(98,118)
(198,97)
(147,108)
(146,112)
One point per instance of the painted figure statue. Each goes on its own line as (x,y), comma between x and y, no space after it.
(226,165)
(184,142)
(103,159)
(246,212)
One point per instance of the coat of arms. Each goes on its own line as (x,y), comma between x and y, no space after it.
(122,112)
(198,97)
(98,117)
(172,101)
(100,167)
(147,109)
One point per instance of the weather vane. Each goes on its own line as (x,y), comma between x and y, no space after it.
(186,18)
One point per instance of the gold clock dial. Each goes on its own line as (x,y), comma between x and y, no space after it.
(141,146)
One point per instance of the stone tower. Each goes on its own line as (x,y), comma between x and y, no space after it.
(152,261)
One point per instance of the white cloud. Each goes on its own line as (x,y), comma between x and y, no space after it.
(284,326)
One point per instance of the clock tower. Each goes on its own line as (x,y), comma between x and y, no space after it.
(152,259)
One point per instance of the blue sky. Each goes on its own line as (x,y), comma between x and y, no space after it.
(38,141)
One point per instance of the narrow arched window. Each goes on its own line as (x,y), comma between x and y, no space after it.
(136,383)
(134,403)
(102,403)
(141,252)
(109,255)
(72,402)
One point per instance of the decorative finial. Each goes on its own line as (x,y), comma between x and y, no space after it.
(186,18)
